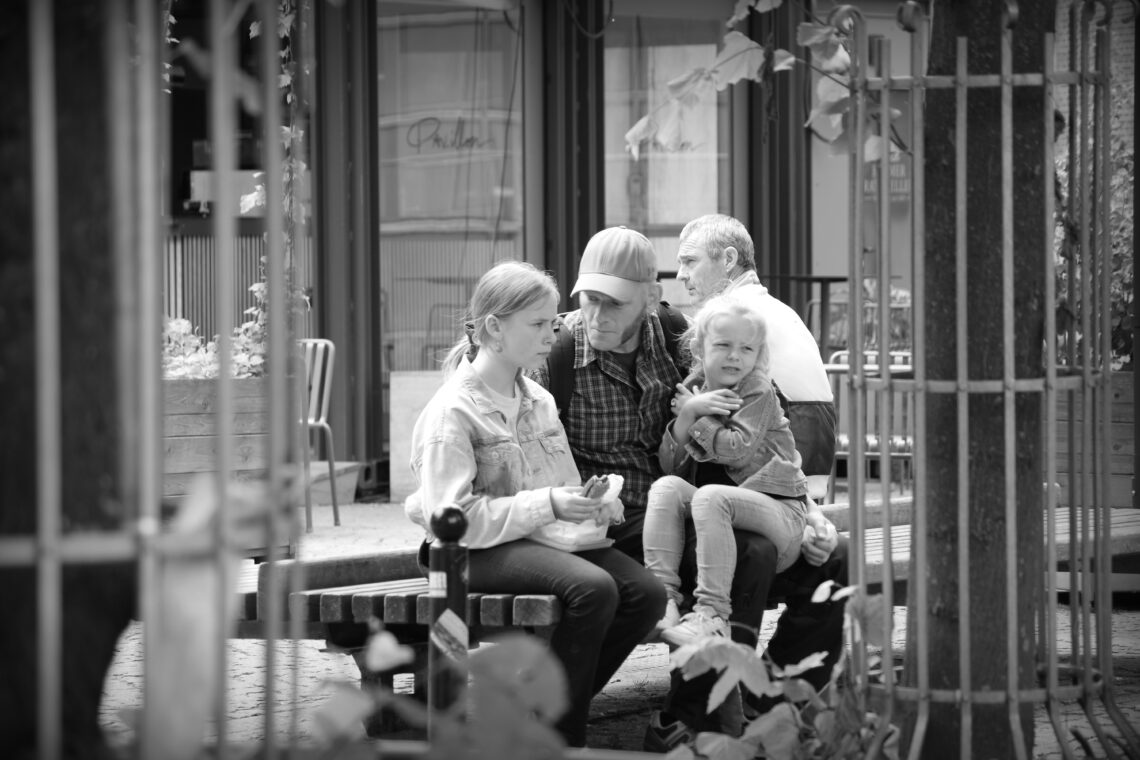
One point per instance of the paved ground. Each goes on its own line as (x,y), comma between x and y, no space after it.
(307,677)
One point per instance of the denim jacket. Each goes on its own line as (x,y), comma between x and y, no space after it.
(464,453)
(754,443)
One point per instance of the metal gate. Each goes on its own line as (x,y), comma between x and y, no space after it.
(986,500)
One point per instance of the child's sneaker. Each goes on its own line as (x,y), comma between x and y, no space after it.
(698,624)
(672,615)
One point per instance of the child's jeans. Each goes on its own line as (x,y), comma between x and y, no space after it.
(716,510)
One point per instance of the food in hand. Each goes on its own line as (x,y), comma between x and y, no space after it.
(596,487)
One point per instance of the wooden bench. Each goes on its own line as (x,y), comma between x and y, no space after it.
(1124,540)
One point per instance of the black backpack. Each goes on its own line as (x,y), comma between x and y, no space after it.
(560,363)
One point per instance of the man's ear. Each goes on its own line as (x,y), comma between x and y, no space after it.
(731,258)
(653,296)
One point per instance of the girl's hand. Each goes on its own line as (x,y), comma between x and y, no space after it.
(718,402)
(570,505)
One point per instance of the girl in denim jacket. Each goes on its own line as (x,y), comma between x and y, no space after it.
(735,465)
(490,441)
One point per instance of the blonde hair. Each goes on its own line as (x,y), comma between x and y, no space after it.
(506,288)
(726,306)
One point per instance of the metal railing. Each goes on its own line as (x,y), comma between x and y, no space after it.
(955,619)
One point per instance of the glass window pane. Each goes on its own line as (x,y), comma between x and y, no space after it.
(449,93)
(686,170)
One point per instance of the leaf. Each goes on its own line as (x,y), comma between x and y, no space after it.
(778,731)
(799,690)
(740,12)
(723,747)
(833,98)
(384,652)
(822,592)
(689,87)
(669,128)
(763,6)
(740,58)
(536,679)
(810,662)
(815,35)
(339,716)
(644,129)
(254,29)
(837,63)
(875,619)
(782,60)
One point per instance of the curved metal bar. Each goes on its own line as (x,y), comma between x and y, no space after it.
(846,19)
(1089,12)
(909,15)
(1010,14)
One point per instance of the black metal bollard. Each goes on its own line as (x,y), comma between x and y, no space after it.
(447,590)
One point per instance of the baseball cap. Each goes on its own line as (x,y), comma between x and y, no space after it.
(616,261)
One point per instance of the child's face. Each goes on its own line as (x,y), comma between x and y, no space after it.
(731,349)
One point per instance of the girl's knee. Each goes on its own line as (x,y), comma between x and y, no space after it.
(711,499)
(596,592)
(667,485)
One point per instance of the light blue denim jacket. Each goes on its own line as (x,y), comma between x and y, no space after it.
(754,443)
(464,453)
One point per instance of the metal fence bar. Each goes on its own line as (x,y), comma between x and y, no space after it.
(1009,375)
(962,373)
(49,576)
(222,22)
(918,28)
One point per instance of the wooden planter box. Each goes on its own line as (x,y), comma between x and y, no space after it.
(1122,446)
(189,430)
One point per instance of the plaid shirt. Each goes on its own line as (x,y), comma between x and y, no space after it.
(615,421)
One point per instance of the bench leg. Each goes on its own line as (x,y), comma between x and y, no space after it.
(385,722)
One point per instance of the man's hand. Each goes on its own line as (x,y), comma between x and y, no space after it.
(719,402)
(820,540)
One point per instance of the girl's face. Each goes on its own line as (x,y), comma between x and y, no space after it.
(730,350)
(528,335)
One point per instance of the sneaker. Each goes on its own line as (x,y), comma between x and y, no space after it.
(663,735)
(672,615)
(695,625)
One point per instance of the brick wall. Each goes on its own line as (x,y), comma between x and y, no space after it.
(1123,58)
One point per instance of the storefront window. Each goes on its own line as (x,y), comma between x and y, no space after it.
(450,138)
(647,45)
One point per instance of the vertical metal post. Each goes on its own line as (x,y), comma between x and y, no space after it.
(49,574)
(447,589)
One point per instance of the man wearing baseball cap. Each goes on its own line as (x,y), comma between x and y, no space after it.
(616,363)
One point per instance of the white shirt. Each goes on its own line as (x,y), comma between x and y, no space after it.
(796,365)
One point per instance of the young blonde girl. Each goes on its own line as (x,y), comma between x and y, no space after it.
(490,442)
(734,465)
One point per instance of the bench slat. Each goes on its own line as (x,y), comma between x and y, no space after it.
(337,605)
(1124,538)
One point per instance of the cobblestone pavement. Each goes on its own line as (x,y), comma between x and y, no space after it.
(306,677)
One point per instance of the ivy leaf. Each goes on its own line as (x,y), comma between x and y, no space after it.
(740,58)
(254,29)
(643,130)
(535,678)
(385,652)
(810,662)
(338,717)
(669,128)
(741,665)
(763,6)
(782,60)
(740,12)
(688,88)
(833,98)
(723,747)
(778,731)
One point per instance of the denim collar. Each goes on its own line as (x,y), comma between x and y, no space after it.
(480,394)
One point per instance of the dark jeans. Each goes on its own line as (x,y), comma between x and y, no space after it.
(803,629)
(610,603)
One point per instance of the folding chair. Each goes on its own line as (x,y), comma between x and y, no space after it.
(319,354)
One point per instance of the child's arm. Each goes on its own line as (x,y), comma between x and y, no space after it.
(691,406)
(728,439)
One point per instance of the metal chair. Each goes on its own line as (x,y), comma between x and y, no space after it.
(319,354)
